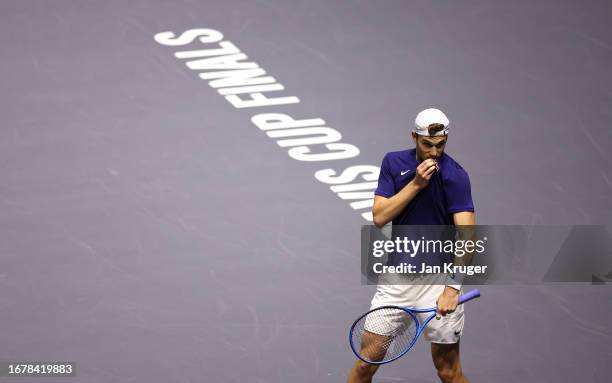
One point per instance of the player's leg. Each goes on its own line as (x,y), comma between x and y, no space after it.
(447,362)
(444,335)
(373,347)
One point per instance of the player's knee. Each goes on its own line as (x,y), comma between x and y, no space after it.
(449,375)
(364,369)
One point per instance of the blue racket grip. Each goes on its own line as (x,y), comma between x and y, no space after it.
(472,294)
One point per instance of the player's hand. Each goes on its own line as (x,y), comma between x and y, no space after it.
(424,172)
(447,302)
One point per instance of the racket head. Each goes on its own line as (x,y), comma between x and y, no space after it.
(384,334)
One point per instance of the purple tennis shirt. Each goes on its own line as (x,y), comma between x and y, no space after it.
(448,191)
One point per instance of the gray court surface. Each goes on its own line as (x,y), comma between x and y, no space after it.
(149,232)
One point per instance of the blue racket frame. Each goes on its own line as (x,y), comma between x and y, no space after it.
(472,294)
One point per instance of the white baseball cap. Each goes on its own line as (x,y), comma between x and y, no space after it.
(430,116)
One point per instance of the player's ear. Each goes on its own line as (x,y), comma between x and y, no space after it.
(414,137)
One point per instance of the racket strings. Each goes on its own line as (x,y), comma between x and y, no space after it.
(383,334)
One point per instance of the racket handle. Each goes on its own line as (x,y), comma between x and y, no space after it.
(472,294)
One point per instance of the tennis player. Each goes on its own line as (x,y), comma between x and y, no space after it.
(423,186)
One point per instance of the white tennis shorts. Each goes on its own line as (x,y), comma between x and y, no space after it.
(446,330)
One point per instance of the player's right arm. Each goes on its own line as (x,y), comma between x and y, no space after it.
(386,209)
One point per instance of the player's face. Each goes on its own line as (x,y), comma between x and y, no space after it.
(429,147)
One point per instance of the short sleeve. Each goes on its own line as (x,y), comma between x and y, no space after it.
(458,192)
(386,186)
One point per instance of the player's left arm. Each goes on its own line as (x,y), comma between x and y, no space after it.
(449,299)
(464,218)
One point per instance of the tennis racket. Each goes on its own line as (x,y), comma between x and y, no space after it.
(387,333)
